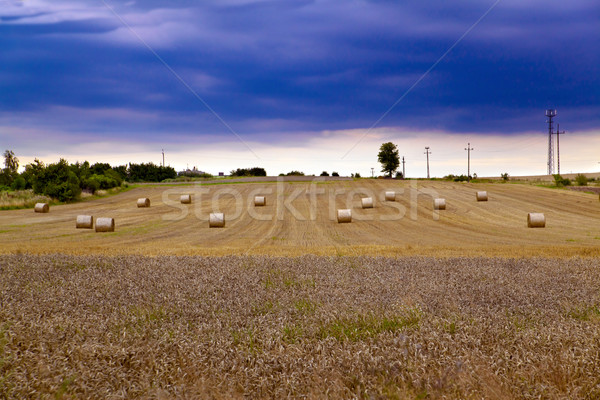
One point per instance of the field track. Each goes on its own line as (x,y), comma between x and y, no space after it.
(300,219)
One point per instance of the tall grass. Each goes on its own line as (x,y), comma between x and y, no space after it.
(10,200)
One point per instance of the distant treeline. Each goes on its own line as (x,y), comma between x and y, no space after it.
(65,182)
(256,171)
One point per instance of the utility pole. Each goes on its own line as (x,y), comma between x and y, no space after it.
(372,172)
(403,171)
(558,133)
(163,153)
(550,114)
(469,160)
(428,153)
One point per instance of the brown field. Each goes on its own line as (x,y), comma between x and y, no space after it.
(403,302)
(306,223)
(302,327)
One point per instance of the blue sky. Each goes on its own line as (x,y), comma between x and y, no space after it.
(296,84)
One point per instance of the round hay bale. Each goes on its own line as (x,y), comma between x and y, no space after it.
(367,202)
(143,202)
(42,207)
(105,225)
(482,196)
(439,204)
(390,196)
(186,199)
(260,201)
(84,222)
(344,216)
(216,220)
(536,220)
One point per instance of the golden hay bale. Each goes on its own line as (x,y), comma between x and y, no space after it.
(143,202)
(84,222)
(536,220)
(186,199)
(216,220)
(367,202)
(105,225)
(344,216)
(260,201)
(390,196)
(482,196)
(42,207)
(439,204)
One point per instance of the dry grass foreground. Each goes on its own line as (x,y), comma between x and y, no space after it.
(317,327)
(289,225)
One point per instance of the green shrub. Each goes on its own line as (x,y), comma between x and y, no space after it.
(324,173)
(255,171)
(456,178)
(559,181)
(581,180)
(57,181)
(19,183)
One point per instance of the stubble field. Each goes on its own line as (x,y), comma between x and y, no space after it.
(300,219)
(284,302)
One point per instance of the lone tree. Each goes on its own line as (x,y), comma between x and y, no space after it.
(389,158)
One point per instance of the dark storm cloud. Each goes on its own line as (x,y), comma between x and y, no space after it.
(315,64)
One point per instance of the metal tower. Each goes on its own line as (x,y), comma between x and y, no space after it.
(550,114)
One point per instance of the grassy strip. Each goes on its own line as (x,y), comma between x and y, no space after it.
(24,199)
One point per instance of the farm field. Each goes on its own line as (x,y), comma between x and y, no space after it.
(284,302)
(300,219)
(301,327)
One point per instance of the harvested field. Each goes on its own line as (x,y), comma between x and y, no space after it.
(300,218)
(317,327)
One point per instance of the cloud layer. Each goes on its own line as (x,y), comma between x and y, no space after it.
(280,73)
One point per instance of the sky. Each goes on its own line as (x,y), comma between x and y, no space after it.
(301,85)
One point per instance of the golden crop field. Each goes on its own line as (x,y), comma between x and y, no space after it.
(300,219)
(404,302)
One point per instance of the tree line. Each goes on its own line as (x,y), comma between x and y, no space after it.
(65,182)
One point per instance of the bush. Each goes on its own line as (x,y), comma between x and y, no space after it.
(193,174)
(581,180)
(57,181)
(559,181)
(19,183)
(324,173)
(150,172)
(357,175)
(4,188)
(255,171)
(335,174)
(456,178)
(294,173)
(505,176)
(92,184)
